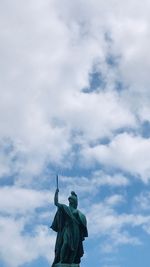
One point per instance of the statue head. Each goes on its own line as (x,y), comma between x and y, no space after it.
(73,200)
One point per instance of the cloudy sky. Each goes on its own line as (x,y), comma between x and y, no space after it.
(75,100)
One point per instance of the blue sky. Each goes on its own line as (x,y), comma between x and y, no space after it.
(75,100)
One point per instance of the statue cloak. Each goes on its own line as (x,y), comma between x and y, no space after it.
(72,227)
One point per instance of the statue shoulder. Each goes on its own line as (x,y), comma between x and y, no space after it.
(66,209)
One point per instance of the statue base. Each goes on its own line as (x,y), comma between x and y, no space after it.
(66,265)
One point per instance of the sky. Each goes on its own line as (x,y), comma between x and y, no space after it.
(75,101)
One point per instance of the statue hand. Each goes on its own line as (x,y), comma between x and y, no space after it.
(57,191)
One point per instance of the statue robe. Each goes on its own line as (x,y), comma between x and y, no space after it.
(71,227)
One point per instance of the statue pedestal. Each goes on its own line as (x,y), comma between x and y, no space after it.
(66,265)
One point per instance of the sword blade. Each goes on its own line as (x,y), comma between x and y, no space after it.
(57,181)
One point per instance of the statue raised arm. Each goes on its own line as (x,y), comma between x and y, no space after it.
(56,197)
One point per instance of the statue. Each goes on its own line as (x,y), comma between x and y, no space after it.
(71,227)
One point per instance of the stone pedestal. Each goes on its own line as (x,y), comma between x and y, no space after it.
(66,265)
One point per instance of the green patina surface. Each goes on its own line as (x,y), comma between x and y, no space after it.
(71,228)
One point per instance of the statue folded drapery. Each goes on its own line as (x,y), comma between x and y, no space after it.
(71,227)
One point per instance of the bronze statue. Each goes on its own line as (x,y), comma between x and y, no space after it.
(71,227)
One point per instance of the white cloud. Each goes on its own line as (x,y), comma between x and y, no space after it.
(21,247)
(15,200)
(48,49)
(127,152)
(42,103)
(104,221)
(142,202)
(91,184)
(102,178)
(19,210)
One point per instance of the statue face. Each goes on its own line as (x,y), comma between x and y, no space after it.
(72,202)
